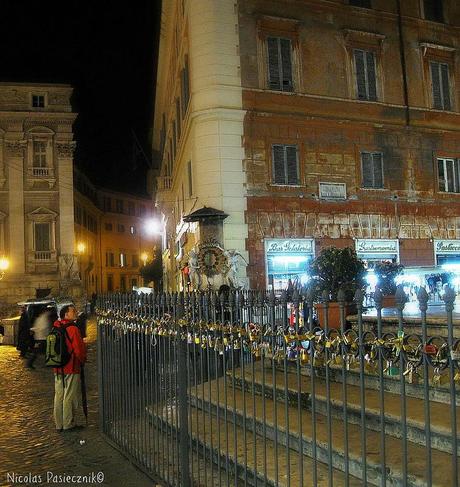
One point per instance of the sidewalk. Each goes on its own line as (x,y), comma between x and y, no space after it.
(32,452)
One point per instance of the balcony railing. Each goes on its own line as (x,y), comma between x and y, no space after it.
(43,255)
(40,171)
(164,182)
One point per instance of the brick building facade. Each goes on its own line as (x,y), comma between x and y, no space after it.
(350,126)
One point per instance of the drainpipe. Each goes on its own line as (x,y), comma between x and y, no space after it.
(403,63)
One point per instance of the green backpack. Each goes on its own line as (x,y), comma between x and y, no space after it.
(57,354)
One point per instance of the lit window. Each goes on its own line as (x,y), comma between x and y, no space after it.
(122,259)
(132,230)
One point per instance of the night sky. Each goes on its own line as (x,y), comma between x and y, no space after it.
(107,52)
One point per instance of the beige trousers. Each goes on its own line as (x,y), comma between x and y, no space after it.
(66,400)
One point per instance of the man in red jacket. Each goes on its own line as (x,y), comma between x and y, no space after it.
(67,378)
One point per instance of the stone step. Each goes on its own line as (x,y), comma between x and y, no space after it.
(261,382)
(292,427)
(248,460)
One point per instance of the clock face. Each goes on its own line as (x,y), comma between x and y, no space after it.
(211,260)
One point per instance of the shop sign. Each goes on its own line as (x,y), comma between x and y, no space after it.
(289,246)
(333,191)
(447,246)
(375,246)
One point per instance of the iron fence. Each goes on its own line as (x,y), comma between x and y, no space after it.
(247,388)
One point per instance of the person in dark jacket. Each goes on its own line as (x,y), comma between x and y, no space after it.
(67,379)
(25,339)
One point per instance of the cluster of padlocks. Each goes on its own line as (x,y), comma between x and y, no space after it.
(314,347)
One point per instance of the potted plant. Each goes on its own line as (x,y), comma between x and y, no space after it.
(334,269)
(386,273)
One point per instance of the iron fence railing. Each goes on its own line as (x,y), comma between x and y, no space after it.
(250,389)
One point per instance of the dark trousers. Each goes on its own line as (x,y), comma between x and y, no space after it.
(37,348)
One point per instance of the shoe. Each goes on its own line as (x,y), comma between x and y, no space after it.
(74,428)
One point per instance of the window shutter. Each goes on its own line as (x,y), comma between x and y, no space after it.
(436,83)
(292,165)
(360,74)
(377,164)
(278,165)
(286,64)
(441,178)
(445,86)
(371,78)
(367,170)
(274,81)
(190,178)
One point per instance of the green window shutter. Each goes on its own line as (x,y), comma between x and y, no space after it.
(436,85)
(274,79)
(367,170)
(377,166)
(279,176)
(42,236)
(445,86)
(286,63)
(292,170)
(360,74)
(371,76)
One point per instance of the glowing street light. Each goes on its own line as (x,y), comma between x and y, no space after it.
(4,265)
(152,227)
(81,247)
(144,257)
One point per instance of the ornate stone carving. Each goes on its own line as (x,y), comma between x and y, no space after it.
(68,267)
(65,149)
(58,99)
(15,148)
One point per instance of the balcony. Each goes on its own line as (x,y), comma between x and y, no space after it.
(164,183)
(42,261)
(40,174)
(42,255)
(40,171)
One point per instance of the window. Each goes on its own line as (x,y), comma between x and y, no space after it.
(122,283)
(190,178)
(279,64)
(135,260)
(42,237)
(366,85)
(110,283)
(432,10)
(132,230)
(449,175)
(372,170)
(119,206)
(285,164)
(122,259)
(121,228)
(109,259)
(107,202)
(360,3)
(440,85)
(108,227)
(142,210)
(39,153)
(38,101)
(134,282)
(131,208)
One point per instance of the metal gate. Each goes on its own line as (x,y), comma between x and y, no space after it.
(247,388)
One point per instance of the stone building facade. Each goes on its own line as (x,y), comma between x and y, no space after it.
(110,237)
(318,122)
(36,191)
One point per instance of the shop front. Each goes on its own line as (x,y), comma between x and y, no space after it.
(286,261)
(372,251)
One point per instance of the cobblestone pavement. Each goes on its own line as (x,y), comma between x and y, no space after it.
(29,444)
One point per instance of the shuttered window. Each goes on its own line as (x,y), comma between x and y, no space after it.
(279,64)
(449,175)
(440,85)
(42,236)
(190,178)
(432,10)
(372,170)
(285,164)
(366,80)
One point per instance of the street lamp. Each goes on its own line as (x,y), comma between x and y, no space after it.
(144,257)
(81,247)
(4,265)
